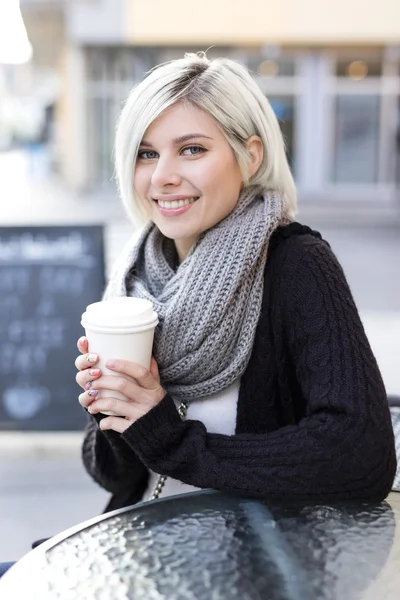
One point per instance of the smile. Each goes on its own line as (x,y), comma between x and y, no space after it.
(175,207)
(175,203)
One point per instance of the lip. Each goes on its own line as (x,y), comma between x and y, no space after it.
(172,197)
(175,212)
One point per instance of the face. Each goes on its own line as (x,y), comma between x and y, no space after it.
(186,175)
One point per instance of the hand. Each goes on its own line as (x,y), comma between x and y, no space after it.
(142,394)
(85,363)
(88,375)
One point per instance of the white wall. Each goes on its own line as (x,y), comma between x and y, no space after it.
(74,156)
(258,21)
(96,21)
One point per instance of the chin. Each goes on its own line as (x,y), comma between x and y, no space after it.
(172,234)
(175,231)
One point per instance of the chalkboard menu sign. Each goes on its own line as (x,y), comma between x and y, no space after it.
(48,275)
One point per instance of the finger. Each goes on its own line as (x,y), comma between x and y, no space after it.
(83,345)
(115,423)
(129,389)
(85,379)
(142,375)
(85,399)
(154,369)
(121,408)
(86,361)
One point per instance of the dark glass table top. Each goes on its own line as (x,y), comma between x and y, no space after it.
(213,546)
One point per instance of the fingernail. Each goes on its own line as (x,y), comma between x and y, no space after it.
(88,385)
(81,340)
(92,358)
(94,372)
(111,364)
(93,393)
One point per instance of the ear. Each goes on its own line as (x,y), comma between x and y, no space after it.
(256,150)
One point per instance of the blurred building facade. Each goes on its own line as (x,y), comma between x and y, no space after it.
(331,70)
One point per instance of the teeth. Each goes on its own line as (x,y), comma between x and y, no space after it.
(176,203)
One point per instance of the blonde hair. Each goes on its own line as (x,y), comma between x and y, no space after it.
(227,92)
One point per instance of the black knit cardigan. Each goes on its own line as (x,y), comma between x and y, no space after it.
(313,422)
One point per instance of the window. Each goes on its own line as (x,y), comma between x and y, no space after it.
(111,74)
(281,66)
(356,139)
(358,67)
(284,109)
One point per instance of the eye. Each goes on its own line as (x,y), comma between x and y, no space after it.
(193,150)
(147,154)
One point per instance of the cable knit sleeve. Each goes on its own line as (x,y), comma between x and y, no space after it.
(112,463)
(343,445)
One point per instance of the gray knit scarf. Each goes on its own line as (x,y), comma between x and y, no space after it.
(208,306)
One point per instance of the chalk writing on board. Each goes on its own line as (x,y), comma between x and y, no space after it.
(10,307)
(46,307)
(25,402)
(48,275)
(62,279)
(14,280)
(32,248)
(46,332)
(23,358)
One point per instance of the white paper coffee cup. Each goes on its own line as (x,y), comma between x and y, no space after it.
(120,328)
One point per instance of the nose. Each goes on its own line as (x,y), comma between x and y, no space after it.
(165,173)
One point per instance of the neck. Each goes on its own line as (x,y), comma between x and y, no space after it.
(183,247)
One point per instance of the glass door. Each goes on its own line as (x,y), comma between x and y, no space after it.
(284,109)
(356,151)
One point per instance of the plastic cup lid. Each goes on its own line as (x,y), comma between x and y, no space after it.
(120,312)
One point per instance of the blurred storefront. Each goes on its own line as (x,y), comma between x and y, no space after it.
(30,88)
(331,71)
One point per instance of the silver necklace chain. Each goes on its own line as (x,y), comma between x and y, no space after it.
(182,410)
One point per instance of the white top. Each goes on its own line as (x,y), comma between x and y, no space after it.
(218,413)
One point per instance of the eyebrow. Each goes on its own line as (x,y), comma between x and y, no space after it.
(179,140)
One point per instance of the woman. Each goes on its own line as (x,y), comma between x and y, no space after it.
(263,382)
